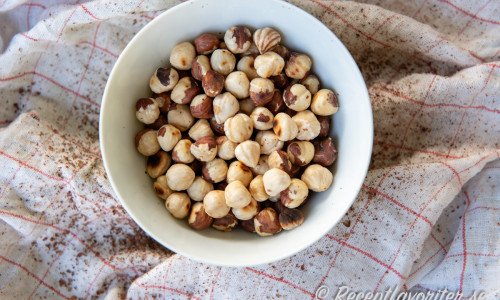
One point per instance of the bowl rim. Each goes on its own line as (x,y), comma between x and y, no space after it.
(264,260)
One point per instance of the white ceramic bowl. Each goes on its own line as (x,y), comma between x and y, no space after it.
(150,48)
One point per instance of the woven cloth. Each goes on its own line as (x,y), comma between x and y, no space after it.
(426,219)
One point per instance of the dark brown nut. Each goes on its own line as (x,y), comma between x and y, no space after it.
(298,65)
(280,81)
(225,148)
(311,82)
(182,152)
(282,51)
(225,106)
(248,152)
(146,142)
(300,153)
(276,181)
(180,177)
(201,107)
(291,218)
(266,38)
(223,61)
(325,103)
(266,222)
(163,80)
(215,204)
(201,65)
(178,205)
(196,166)
(246,65)
(295,194)
(297,97)
(325,152)
(198,218)
(324,123)
(247,225)
(158,164)
(185,90)
(147,110)
(257,189)
(307,124)
(168,136)
(238,39)
(261,91)
(216,127)
(214,171)
(200,129)
(222,45)
(269,64)
(162,120)
(226,223)
(247,106)
(237,171)
(206,43)
(237,195)
(276,105)
(180,117)
(213,83)
(284,127)
(237,83)
(279,159)
(268,141)
(182,56)
(161,187)
(204,149)
(238,128)
(163,101)
(262,166)
(317,178)
(262,118)
(247,212)
(220,186)
(199,188)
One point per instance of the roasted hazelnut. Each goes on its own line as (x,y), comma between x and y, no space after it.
(297,97)
(238,128)
(268,142)
(291,218)
(237,83)
(185,90)
(262,118)
(225,148)
(246,65)
(226,223)
(280,81)
(201,65)
(247,212)
(247,106)
(238,39)
(163,80)
(201,107)
(262,166)
(168,136)
(281,51)
(146,142)
(200,129)
(237,195)
(311,82)
(324,123)
(215,204)
(216,127)
(276,181)
(300,153)
(325,152)
(204,149)
(180,177)
(180,117)
(225,106)
(276,105)
(284,127)
(215,171)
(266,38)
(317,178)
(295,194)
(269,64)
(248,152)
(279,159)
(247,225)
(198,218)
(147,110)
(212,83)
(223,61)
(161,187)
(297,65)
(178,205)
(308,125)
(182,56)
(325,103)
(237,171)
(206,43)
(266,222)
(199,188)
(163,101)
(158,164)
(182,152)
(252,51)
(257,189)
(261,91)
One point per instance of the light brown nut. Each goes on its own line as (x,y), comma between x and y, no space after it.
(237,83)
(182,56)
(297,65)
(295,194)
(262,166)
(284,127)
(204,149)
(147,110)
(146,142)
(182,152)
(281,51)
(300,153)
(325,152)
(185,90)
(280,81)
(215,204)
(279,159)
(206,43)
(200,129)
(198,218)
(238,128)
(247,212)
(257,189)
(266,38)
(308,125)
(276,181)
(216,127)
(247,106)
(158,164)
(291,218)
(324,122)
(226,223)
(161,187)
(266,222)
(238,39)
(297,97)
(237,195)
(248,152)
(212,83)
(214,171)
(163,101)
(223,61)
(178,205)
(180,177)
(276,105)
(325,103)
(262,118)
(317,178)
(163,80)
(168,136)
(199,188)
(201,107)
(269,64)
(246,65)
(225,148)
(311,82)
(180,117)
(237,171)
(247,225)
(268,141)
(225,106)
(261,91)
(201,65)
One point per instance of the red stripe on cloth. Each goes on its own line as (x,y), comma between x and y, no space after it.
(88,12)
(214,282)
(292,285)
(469,13)
(474,254)
(100,48)
(384,144)
(166,288)
(483,207)
(31,167)
(34,5)
(475,15)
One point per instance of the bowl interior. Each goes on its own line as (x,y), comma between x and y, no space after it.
(352,127)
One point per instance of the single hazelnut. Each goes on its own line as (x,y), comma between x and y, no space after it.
(266,222)
(325,152)
(276,105)
(291,218)
(324,123)
(261,91)
(266,38)
(168,136)
(147,110)
(311,82)
(198,218)
(280,81)
(279,159)
(295,194)
(225,148)
(180,117)
(269,64)
(215,204)
(182,56)
(237,171)
(276,181)
(162,120)
(284,127)
(257,189)
(281,50)
(182,152)
(262,118)
(297,65)
(158,164)
(246,65)
(237,195)
(178,205)
(262,166)
(206,43)
(268,142)
(325,103)
(225,106)
(163,80)
(201,107)
(200,129)
(247,212)
(201,65)
(199,188)
(161,187)
(212,83)
(238,128)
(237,83)
(308,125)
(247,106)
(248,152)
(300,153)
(180,177)
(226,223)
(317,178)
(223,61)
(238,39)
(163,101)
(214,171)
(146,142)
(247,225)
(204,149)
(297,97)
(185,90)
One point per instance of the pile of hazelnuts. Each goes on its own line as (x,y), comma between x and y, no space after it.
(236,132)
